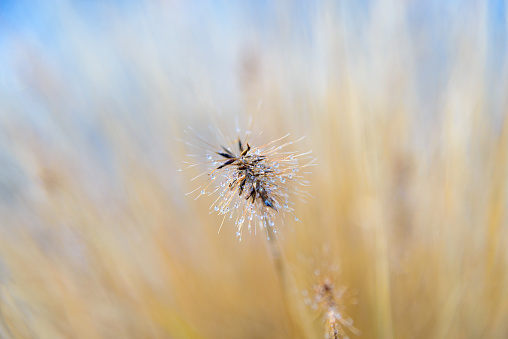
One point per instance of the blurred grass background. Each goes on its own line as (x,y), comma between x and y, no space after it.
(402,102)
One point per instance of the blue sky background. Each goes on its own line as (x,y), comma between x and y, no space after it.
(196,45)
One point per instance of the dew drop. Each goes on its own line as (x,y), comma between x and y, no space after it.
(209,156)
(276,164)
(179,170)
(282,180)
(295,169)
(203,192)
(267,238)
(212,177)
(296,219)
(216,208)
(271,223)
(274,231)
(222,184)
(290,176)
(226,210)
(285,206)
(242,219)
(290,157)
(238,233)
(221,194)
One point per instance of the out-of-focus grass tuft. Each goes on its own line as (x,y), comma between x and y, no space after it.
(403,104)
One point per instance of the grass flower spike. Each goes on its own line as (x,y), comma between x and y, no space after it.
(254,185)
(329,301)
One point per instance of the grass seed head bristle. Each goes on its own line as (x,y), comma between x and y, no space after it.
(255,184)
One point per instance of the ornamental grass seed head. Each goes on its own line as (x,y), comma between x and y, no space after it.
(254,185)
(330,301)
